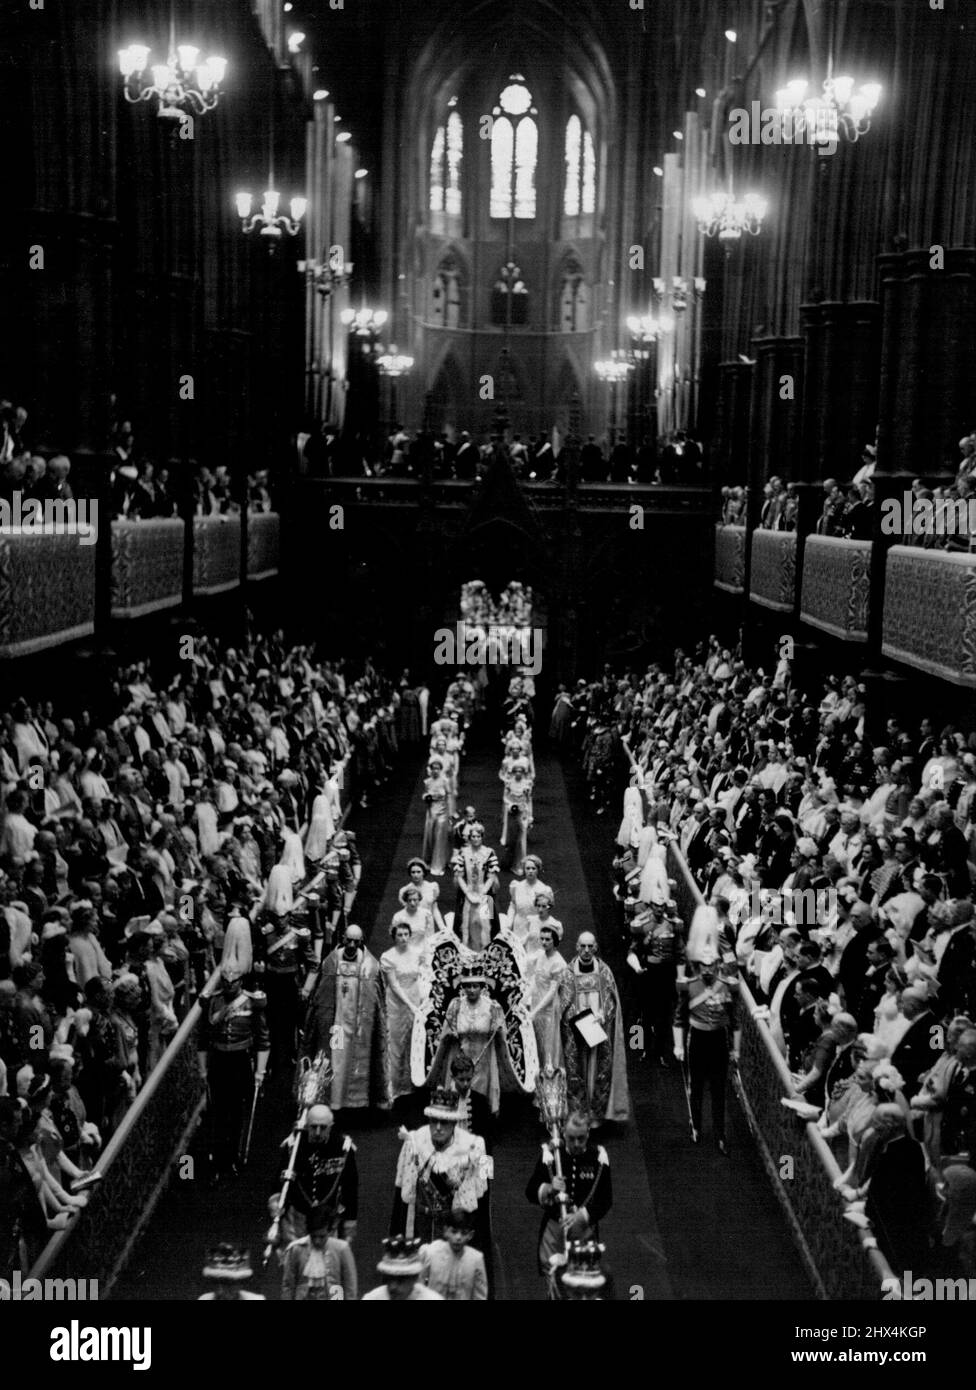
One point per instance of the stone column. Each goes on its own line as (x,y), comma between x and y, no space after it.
(840,386)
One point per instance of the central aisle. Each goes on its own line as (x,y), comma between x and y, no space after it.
(630,1233)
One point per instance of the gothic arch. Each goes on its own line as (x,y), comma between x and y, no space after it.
(446,393)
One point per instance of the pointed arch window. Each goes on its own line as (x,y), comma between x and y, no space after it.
(446,155)
(514,152)
(437,172)
(579,193)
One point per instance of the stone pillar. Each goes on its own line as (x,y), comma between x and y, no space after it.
(928,359)
(776,408)
(840,386)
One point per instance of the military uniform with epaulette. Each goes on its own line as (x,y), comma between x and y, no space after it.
(284,960)
(708,1010)
(658,945)
(235,1043)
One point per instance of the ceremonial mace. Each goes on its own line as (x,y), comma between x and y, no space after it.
(312,1088)
(550,1093)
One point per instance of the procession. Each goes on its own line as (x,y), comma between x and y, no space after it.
(475,1002)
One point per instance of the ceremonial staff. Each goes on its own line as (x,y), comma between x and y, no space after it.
(550,1091)
(312,1088)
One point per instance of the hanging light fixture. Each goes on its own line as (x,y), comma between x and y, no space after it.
(721,214)
(679,292)
(645,329)
(613,369)
(365,323)
(393,363)
(183,85)
(268,221)
(838,111)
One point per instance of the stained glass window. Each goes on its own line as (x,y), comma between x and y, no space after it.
(571,193)
(445,167)
(516,99)
(579,194)
(514,153)
(526,151)
(502,142)
(589,174)
(455,149)
(437,172)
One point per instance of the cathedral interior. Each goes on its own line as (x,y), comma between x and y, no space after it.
(643,329)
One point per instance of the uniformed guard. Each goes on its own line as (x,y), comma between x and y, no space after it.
(285,962)
(233,1060)
(571,1183)
(325,1174)
(657,949)
(708,1017)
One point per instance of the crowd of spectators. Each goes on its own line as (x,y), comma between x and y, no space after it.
(841,872)
(137,487)
(130,843)
(544,458)
(941,516)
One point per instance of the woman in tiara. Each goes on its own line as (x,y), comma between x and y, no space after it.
(403,970)
(539,921)
(450,759)
(476,872)
(414,914)
(417,870)
(516,810)
(545,1007)
(523,893)
(437,829)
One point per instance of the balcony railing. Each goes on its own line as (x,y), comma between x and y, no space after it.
(730,558)
(930,612)
(772,570)
(449,494)
(48,581)
(47,591)
(216,554)
(147,566)
(840,1258)
(135,1166)
(836,582)
(263,544)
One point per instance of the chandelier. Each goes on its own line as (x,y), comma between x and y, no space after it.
(327,277)
(838,111)
(679,294)
(721,214)
(613,369)
(394,363)
(365,323)
(268,220)
(645,328)
(183,85)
